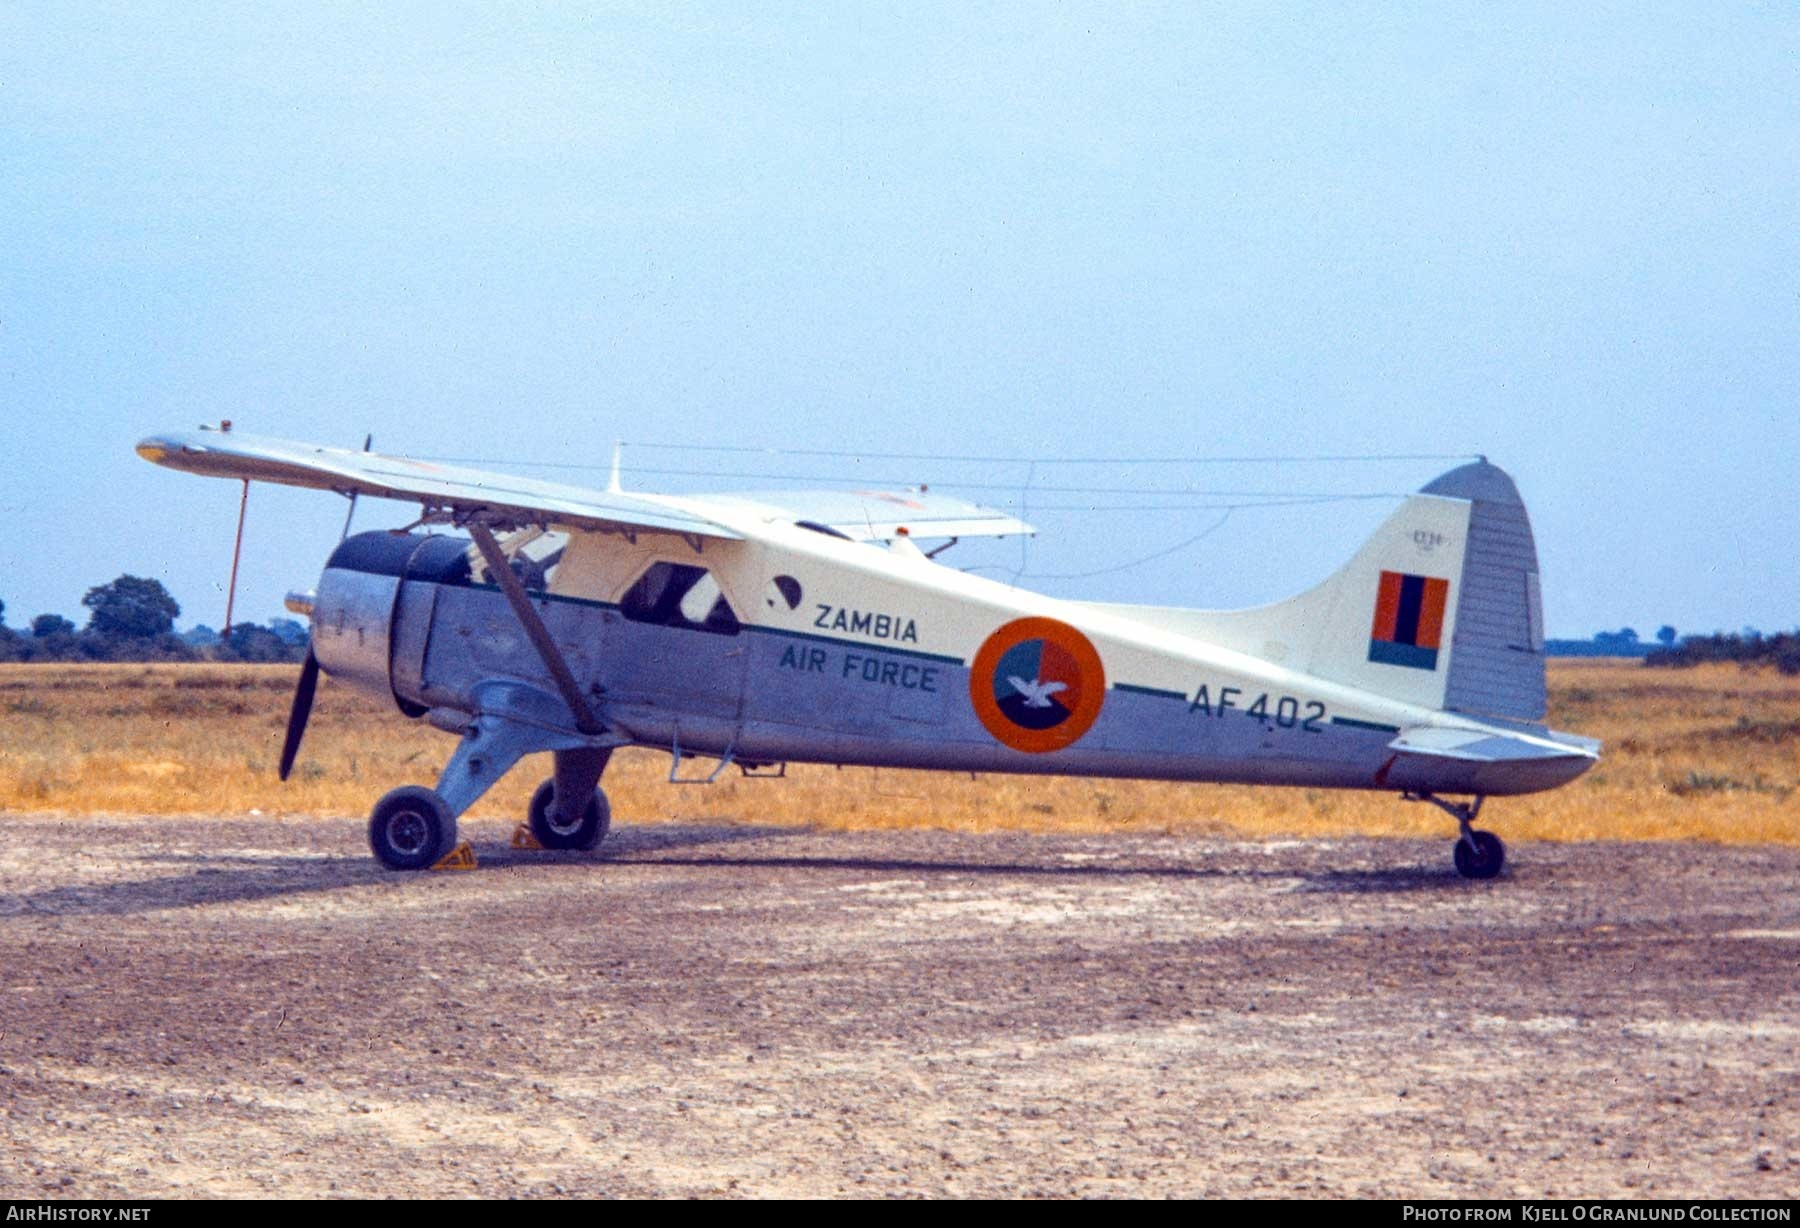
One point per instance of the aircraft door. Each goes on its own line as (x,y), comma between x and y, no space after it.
(676,657)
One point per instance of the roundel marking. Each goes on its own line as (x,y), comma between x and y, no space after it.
(1037,684)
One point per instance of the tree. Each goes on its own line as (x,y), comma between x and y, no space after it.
(249,642)
(1665,635)
(46,625)
(132,608)
(200,636)
(290,631)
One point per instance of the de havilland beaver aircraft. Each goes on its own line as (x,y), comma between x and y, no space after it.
(763,629)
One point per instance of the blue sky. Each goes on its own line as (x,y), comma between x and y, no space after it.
(1563,236)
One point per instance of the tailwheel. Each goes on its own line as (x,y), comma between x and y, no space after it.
(555,831)
(1479,854)
(411,828)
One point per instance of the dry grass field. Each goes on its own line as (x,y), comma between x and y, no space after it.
(1705,754)
(740,1000)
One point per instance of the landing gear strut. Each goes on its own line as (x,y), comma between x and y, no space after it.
(1479,854)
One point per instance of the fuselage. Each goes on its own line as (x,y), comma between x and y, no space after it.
(793,645)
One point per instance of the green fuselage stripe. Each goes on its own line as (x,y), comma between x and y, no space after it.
(1372,725)
(1149,690)
(537,594)
(935,657)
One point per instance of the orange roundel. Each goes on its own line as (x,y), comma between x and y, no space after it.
(1037,685)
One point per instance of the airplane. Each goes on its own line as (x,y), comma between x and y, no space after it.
(772,628)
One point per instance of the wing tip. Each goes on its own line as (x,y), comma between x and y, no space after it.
(158,449)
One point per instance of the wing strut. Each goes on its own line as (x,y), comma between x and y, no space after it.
(237,551)
(535,629)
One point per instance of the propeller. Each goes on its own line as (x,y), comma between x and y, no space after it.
(298,714)
(309,669)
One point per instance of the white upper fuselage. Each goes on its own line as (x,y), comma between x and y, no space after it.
(882,601)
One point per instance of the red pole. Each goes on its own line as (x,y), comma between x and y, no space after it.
(236,550)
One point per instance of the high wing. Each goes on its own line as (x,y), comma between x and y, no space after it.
(858,515)
(871,515)
(229,454)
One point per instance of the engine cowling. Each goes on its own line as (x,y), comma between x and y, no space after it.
(358,615)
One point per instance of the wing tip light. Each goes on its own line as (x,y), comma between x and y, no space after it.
(157,449)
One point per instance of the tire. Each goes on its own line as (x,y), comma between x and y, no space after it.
(411,828)
(595,822)
(1482,861)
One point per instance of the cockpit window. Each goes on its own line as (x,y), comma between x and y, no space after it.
(677,595)
(533,553)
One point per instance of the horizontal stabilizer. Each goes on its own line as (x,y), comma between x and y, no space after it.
(1485,746)
(1482,761)
(229,454)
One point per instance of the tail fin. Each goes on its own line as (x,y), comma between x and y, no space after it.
(1440,608)
(1497,654)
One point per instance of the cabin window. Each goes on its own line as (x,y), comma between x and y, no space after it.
(678,595)
(826,529)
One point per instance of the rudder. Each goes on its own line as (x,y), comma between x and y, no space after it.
(1497,655)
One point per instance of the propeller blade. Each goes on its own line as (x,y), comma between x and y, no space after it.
(298,714)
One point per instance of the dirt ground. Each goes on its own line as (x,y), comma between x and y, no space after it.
(195,1007)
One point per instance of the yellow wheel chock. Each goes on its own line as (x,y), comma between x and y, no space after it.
(523,839)
(462,857)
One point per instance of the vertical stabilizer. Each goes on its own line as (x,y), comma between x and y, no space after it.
(1440,607)
(1497,653)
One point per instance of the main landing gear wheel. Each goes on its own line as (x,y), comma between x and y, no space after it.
(584,833)
(1479,854)
(411,828)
